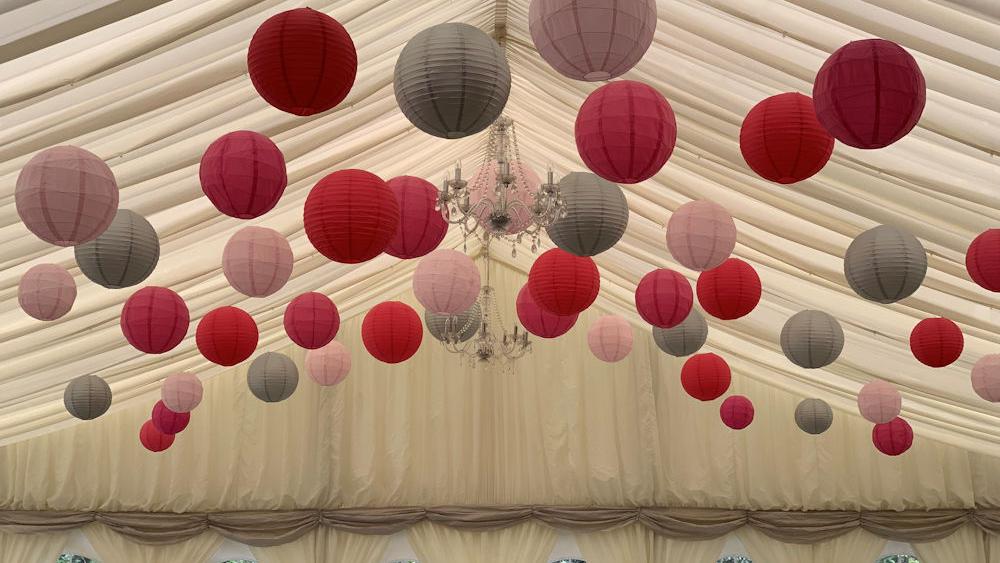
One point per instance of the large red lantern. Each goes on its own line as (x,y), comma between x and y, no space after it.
(350,216)
(562,283)
(663,298)
(302,61)
(226,336)
(154,440)
(705,377)
(538,321)
(736,412)
(729,291)
(154,320)
(936,342)
(982,260)
(421,226)
(893,437)
(243,174)
(625,131)
(392,332)
(312,320)
(168,421)
(782,141)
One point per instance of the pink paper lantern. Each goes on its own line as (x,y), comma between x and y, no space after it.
(523,189)
(154,440)
(663,298)
(736,412)
(168,421)
(311,320)
(538,321)
(46,292)
(701,235)
(257,261)
(243,174)
(181,392)
(328,365)
(154,320)
(421,226)
(986,377)
(446,282)
(610,338)
(894,437)
(879,401)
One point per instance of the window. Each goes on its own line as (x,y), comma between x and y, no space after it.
(735,559)
(898,559)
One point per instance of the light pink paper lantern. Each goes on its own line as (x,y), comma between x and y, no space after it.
(46,292)
(610,338)
(257,261)
(328,365)
(879,401)
(181,392)
(523,189)
(986,377)
(446,282)
(701,235)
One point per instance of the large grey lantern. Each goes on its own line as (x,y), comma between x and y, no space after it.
(813,416)
(452,80)
(812,339)
(885,264)
(272,377)
(685,338)
(123,255)
(596,215)
(87,397)
(464,325)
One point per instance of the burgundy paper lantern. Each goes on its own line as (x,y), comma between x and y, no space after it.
(154,440)
(312,320)
(625,131)
(538,321)
(782,141)
(663,298)
(421,226)
(729,291)
(562,283)
(392,332)
(736,412)
(226,336)
(705,377)
(154,320)
(302,61)
(168,421)
(879,401)
(46,292)
(351,216)
(986,377)
(610,338)
(181,392)
(982,259)
(243,174)
(869,93)
(893,437)
(936,342)
(328,365)
(257,261)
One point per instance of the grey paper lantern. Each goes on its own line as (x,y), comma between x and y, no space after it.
(87,397)
(596,215)
(813,416)
(885,264)
(684,339)
(812,339)
(466,324)
(123,255)
(452,80)
(272,377)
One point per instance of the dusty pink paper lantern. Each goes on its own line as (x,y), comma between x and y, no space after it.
(257,261)
(610,338)
(181,392)
(523,189)
(46,292)
(446,282)
(986,377)
(330,364)
(736,412)
(312,320)
(701,235)
(421,226)
(879,401)
(538,321)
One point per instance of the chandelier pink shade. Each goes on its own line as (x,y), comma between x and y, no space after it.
(257,261)
(46,292)
(483,186)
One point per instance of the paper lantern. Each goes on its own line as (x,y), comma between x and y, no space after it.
(706,376)
(446,281)
(226,336)
(154,440)
(812,339)
(257,261)
(421,226)
(729,291)
(663,298)
(562,283)
(625,131)
(311,320)
(592,40)
(596,215)
(782,141)
(123,255)
(66,196)
(392,332)
(181,392)
(451,80)
(936,342)
(610,338)
(460,327)
(168,421)
(701,235)
(328,365)
(813,416)
(986,377)
(302,61)
(869,93)
(894,437)
(87,397)
(350,216)
(685,338)
(272,377)
(538,321)
(982,259)
(885,264)
(46,292)
(154,320)
(879,401)
(243,174)
(483,186)
(736,412)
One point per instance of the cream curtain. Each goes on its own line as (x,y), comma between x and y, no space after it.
(27,548)
(993,547)
(324,545)
(530,542)
(636,544)
(966,544)
(112,547)
(857,546)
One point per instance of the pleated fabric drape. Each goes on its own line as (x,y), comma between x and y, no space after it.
(635,543)
(27,548)
(325,545)
(530,542)
(112,547)
(966,544)
(992,547)
(857,546)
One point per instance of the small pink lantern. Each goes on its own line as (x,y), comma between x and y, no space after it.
(663,298)
(257,261)
(46,292)
(986,377)
(736,412)
(523,189)
(311,320)
(538,321)
(610,338)
(328,365)
(701,234)
(168,421)
(181,392)
(446,282)
(879,401)
(421,226)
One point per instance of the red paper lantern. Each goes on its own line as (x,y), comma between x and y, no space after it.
(312,320)
(663,298)
(243,174)
(936,342)
(625,131)
(729,291)
(302,61)
(982,259)
(538,321)
(154,320)
(893,437)
(736,412)
(392,332)
(869,93)
(421,226)
(562,283)
(782,141)
(350,216)
(168,421)
(705,377)
(226,336)
(154,440)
